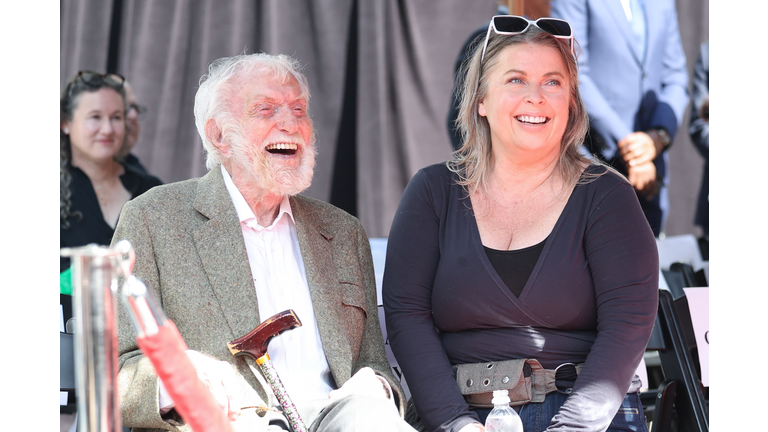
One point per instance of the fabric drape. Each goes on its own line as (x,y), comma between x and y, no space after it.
(401,53)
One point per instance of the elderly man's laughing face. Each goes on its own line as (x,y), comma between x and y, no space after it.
(273,148)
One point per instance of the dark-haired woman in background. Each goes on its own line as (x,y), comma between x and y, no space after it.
(94,184)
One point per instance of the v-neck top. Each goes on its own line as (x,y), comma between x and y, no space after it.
(91,227)
(515,266)
(591,296)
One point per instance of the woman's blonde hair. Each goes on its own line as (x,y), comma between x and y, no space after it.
(472,161)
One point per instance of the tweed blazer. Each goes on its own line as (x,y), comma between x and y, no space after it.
(191,255)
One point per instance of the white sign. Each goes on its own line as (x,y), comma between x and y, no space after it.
(379,255)
(642,373)
(698,304)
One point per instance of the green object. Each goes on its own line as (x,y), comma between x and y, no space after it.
(66,281)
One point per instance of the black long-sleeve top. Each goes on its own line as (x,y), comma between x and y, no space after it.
(592,297)
(89,226)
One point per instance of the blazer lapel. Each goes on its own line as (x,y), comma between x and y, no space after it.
(321,278)
(616,10)
(653,22)
(220,245)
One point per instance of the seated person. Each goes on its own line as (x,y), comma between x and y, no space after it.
(699,133)
(132,128)
(230,249)
(94,185)
(522,248)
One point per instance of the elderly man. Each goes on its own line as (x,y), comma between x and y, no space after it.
(228,250)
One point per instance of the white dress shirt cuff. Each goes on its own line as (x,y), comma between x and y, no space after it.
(165,401)
(387,387)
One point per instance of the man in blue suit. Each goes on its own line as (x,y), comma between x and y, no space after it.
(634,82)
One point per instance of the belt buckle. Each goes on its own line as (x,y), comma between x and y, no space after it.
(564,390)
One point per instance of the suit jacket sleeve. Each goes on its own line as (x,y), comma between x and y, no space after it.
(674,84)
(601,114)
(667,65)
(137,381)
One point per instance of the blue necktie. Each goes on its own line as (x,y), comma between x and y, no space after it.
(638,25)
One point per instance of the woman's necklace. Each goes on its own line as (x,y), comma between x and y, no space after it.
(101,196)
(105,190)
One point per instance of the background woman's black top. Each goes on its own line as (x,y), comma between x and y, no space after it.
(91,227)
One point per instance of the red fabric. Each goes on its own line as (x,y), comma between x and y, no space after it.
(194,402)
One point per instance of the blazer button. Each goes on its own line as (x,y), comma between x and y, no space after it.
(469,382)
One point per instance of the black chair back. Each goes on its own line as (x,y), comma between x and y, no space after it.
(680,363)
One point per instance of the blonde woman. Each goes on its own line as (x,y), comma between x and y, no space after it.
(521,248)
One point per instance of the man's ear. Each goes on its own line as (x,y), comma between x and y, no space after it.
(215,136)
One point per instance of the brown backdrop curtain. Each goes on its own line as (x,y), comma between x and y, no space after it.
(380,72)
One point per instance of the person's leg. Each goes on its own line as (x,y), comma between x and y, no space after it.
(630,417)
(276,422)
(536,417)
(360,413)
(278,426)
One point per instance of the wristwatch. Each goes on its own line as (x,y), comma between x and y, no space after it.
(664,137)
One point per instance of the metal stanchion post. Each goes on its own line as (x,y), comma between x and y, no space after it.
(94,279)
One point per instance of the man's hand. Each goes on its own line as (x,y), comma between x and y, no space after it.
(638,148)
(364,382)
(704,111)
(643,178)
(220,379)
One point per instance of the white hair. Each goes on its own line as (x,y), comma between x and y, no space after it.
(212,98)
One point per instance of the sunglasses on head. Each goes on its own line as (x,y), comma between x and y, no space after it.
(96,79)
(512,25)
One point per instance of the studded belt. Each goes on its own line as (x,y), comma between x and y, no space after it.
(525,379)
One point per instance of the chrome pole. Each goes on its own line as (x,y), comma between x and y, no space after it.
(94,281)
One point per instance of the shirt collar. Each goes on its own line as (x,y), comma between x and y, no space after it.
(244,212)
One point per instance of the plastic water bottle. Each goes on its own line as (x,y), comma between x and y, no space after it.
(502,417)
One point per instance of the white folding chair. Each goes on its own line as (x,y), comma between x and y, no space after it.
(379,255)
(681,248)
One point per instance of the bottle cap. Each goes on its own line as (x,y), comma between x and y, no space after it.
(500,397)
